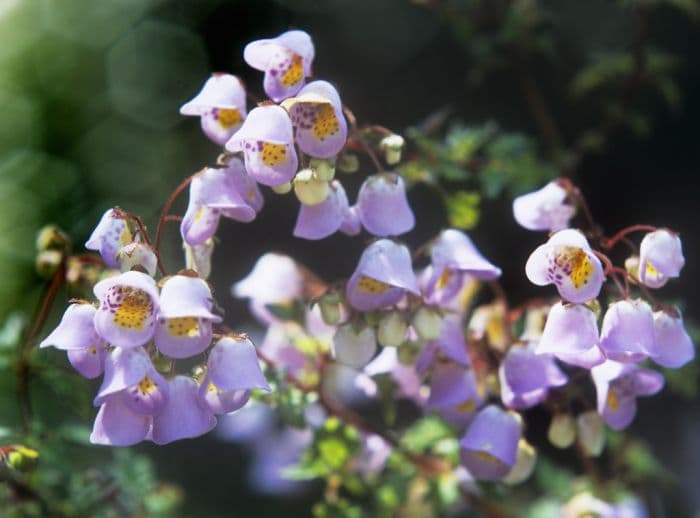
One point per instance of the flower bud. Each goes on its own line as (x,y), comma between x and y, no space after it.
(330,309)
(408,352)
(524,464)
(591,433)
(348,163)
(51,237)
(632,266)
(137,255)
(562,431)
(391,330)
(427,323)
(22,458)
(309,189)
(352,348)
(48,262)
(282,188)
(392,146)
(324,169)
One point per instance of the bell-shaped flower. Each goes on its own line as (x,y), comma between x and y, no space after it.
(451,343)
(490,446)
(221,401)
(117,425)
(382,276)
(351,224)
(526,377)
(382,205)
(267,142)
(325,218)
(139,255)
(76,334)
(544,209)
(183,417)
(453,393)
(286,61)
(317,114)
(185,318)
(571,335)
(627,333)
(275,279)
(617,387)
(214,193)
(568,262)
(128,308)
(354,348)
(221,106)
(111,233)
(674,348)
(660,258)
(233,365)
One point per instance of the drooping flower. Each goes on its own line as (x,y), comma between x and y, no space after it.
(317,114)
(544,209)
(567,261)
(128,308)
(185,318)
(660,258)
(617,387)
(354,348)
(198,257)
(214,193)
(382,276)
(233,365)
(323,219)
(221,106)
(526,377)
(627,333)
(267,142)
(451,343)
(571,335)
(453,393)
(76,334)
(286,61)
(489,448)
(382,205)
(674,348)
(111,233)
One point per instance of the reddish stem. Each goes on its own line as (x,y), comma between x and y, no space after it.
(164,214)
(610,243)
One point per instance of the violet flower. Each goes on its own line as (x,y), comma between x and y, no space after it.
(323,219)
(567,261)
(220,105)
(627,333)
(674,348)
(382,205)
(660,258)
(544,209)
(111,233)
(453,393)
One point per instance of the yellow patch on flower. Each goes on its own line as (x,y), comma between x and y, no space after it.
(373,286)
(468,406)
(183,326)
(294,73)
(487,457)
(326,122)
(147,385)
(444,279)
(228,117)
(274,154)
(576,263)
(651,271)
(613,400)
(125,237)
(134,309)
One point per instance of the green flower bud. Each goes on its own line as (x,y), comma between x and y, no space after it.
(22,458)
(348,163)
(51,237)
(324,169)
(310,190)
(330,309)
(48,262)
(392,146)
(391,330)
(562,431)
(591,433)
(427,323)
(524,464)
(408,352)
(282,188)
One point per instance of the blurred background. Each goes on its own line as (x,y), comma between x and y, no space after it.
(606,92)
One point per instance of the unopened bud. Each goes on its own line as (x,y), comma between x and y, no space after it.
(632,266)
(591,433)
(562,431)
(48,262)
(354,348)
(391,330)
(427,323)
(408,352)
(524,464)
(137,255)
(348,163)
(324,169)
(198,257)
(392,146)
(22,458)
(330,309)
(282,188)
(310,190)
(51,237)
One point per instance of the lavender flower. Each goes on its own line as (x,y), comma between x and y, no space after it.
(323,219)
(571,335)
(544,209)
(674,348)
(453,393)
(111,233)
(660,258)
(382,205)
(627,333)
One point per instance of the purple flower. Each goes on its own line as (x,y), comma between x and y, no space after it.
(76,334)
(382,276)
(382,205)
(451,343)
(453,393)
(215,193)
(128,308)
(325,218)
(567,261)
(406,377)
(526,377)
(544,209)
(490,446)
(317,114)
(185,319)
(267,141)
(221,106)
(571,335)
(111,233)
(617,387)
(278,345)
(660,258)
(183,416)
(221,401)
(627,333)
(233,365)
(351,224)
(117,425)
(286,61)
(674,348)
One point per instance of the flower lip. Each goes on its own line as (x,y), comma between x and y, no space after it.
(222,91)
(382,205)
(269,124)
(259,53)
(76,331)
(544,209)
(132,279)
(455,250)
(185,296)
(390,263)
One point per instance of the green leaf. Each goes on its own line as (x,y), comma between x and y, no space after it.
(604,69)
(334,452)
(463,209)
(425,433)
